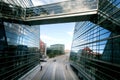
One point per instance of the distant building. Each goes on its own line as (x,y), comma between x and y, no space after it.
(42,48)
(59,47)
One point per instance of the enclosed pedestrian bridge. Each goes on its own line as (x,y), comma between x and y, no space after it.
(98,11)
(67,11)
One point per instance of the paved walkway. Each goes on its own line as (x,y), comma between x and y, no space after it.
(52,70)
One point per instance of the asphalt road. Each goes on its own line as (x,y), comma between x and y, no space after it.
(56,69)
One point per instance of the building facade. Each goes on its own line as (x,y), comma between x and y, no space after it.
(19,44)
(19,49)
(58,47)
(42,49)
(95,51)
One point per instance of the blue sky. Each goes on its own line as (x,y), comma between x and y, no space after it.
(57,34)
(42,2)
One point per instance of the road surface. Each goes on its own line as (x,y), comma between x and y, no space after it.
(56,69)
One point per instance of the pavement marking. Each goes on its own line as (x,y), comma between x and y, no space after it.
(64,72)
(54,69)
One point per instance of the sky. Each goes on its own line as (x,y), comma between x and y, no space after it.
(42,2)
(57,34)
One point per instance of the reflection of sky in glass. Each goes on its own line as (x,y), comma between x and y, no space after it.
(100,46)
(22,35)
(22,3)
(87,39)
(69,6)
(116,2)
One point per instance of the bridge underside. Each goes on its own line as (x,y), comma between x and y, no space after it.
(60,13)
(63,12)
(54,19)
(73,17)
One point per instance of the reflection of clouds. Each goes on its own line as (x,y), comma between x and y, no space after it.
(94,46)
(79,5)
(65,6)
(43,2)
(37,2)
(70,33)
(51,1)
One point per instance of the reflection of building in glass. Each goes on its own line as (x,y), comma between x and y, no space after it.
(95,51)
(19,49)
(19,43)
(14,9)
(68,6)
(22,3)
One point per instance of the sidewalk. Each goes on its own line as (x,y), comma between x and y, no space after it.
(31,73)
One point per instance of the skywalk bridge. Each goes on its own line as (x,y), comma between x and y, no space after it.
(67,11)
(97,11)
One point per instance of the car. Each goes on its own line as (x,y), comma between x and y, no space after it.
(43,60)
(54,60)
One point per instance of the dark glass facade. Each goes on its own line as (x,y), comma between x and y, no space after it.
(95,51)
(19,49)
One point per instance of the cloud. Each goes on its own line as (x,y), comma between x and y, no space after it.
(42,2)
(37,2)
(70,33)
(52,1)
(68,46)
(48,38)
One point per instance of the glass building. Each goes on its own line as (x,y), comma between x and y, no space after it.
(19,44)
(95,51)
(19,49)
